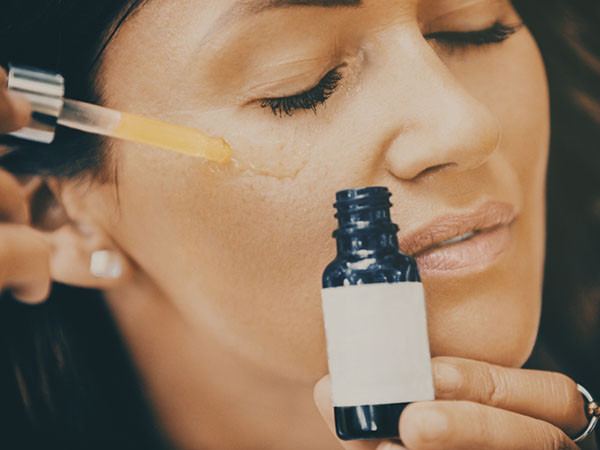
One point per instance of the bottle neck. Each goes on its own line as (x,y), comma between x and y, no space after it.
(366,243)
(364,223)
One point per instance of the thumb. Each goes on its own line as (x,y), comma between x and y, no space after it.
(322,397)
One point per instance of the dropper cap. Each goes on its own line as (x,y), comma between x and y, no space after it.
(45,91)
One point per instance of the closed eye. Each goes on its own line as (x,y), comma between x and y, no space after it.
(497,33)
(307,100)
(319,94)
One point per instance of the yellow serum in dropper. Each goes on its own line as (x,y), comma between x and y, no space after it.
(273,159)
(259,150)
(172,137)
(130,127)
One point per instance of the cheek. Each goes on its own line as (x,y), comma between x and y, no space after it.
(241,256)
(493,318)
(499,322)
(510,80)
(525,114)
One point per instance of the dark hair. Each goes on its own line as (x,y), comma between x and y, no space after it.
(66,379)
(67,36)
(569,339)
(64,370)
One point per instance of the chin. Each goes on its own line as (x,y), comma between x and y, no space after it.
(508,346)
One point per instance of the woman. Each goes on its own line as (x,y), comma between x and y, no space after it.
(211,273)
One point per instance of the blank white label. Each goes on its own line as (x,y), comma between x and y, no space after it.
(377,344)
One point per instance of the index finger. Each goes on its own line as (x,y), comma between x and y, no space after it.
(24,262)
(548,396)
(13,202)
(15,110)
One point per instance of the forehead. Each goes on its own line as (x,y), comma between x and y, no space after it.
(222,12)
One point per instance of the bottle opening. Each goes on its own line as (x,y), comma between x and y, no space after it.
(368,197)
(364,209)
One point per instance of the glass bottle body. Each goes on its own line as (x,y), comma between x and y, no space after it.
(368,258)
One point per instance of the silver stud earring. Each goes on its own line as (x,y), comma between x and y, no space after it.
(106,264)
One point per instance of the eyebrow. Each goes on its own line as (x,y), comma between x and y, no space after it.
(262,5)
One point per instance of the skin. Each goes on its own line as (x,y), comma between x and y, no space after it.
(219,298)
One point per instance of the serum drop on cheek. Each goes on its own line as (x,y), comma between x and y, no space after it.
(375,323)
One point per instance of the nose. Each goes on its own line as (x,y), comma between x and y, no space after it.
(439,124)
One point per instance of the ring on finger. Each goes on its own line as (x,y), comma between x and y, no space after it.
(592,411)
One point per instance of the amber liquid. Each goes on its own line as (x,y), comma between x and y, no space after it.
(172,137)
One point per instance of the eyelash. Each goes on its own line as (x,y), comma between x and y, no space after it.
(497,33)
(318,95)
(310,99)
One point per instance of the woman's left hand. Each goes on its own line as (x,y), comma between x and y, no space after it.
(484,406)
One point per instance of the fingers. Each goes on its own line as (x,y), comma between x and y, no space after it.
(547,396)
(15,111)
(24,252)
(388,445)
(24,263)
(494,407)
(13,203)
(467,425)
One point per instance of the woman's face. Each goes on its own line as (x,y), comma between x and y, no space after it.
(315,97)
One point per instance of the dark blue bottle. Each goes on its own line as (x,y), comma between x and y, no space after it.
(374,314)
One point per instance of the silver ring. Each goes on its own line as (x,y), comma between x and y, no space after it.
(594,415)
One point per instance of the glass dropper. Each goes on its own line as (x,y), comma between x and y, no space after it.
(108,122)
(45,91)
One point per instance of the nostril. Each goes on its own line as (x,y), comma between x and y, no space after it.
(434,169)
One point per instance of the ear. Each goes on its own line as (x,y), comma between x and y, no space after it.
(82,252)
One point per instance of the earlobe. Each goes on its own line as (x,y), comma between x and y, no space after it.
(82,253)
(86,259)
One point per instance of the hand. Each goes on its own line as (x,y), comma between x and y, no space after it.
(24,252)
(483,406)
(14,110)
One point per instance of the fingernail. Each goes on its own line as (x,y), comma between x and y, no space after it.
(432,425)
(106,264)
(447,378)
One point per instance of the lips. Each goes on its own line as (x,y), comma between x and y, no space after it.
(458,241)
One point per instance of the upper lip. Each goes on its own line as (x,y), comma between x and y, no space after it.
(491,215)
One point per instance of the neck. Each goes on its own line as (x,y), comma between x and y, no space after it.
(205,396)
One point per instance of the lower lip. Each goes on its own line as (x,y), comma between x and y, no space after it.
(475,254)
